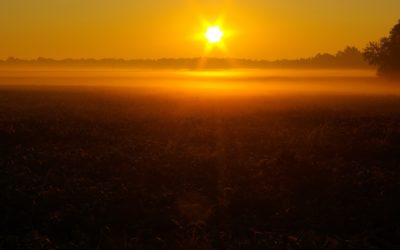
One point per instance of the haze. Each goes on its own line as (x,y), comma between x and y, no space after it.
(160,28)
(235,83)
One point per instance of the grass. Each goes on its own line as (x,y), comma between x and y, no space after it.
(107,169)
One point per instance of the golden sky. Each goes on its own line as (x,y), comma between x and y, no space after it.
(258,29)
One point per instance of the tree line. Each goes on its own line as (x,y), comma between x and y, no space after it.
(350,57)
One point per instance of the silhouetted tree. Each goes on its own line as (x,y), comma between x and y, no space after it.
(386,53)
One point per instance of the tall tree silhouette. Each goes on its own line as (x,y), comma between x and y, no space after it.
(386,53)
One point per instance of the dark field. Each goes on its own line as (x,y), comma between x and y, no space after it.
(114,168)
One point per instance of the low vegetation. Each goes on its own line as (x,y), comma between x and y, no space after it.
(92,169)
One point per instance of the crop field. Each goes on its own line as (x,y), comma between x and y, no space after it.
(92,162)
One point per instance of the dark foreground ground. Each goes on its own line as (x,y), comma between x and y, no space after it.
(97,169)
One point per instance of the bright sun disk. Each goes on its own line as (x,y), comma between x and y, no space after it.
(214,34)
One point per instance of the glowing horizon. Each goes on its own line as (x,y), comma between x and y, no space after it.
(253,29)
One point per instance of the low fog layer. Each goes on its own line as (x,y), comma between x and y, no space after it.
(245,82)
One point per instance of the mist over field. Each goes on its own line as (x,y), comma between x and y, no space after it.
(251,159)
(217,82)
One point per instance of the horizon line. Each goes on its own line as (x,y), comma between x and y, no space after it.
(181,58)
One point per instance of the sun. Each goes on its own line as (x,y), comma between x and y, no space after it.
(214,34)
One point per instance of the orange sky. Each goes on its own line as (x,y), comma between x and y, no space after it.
(259,29)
